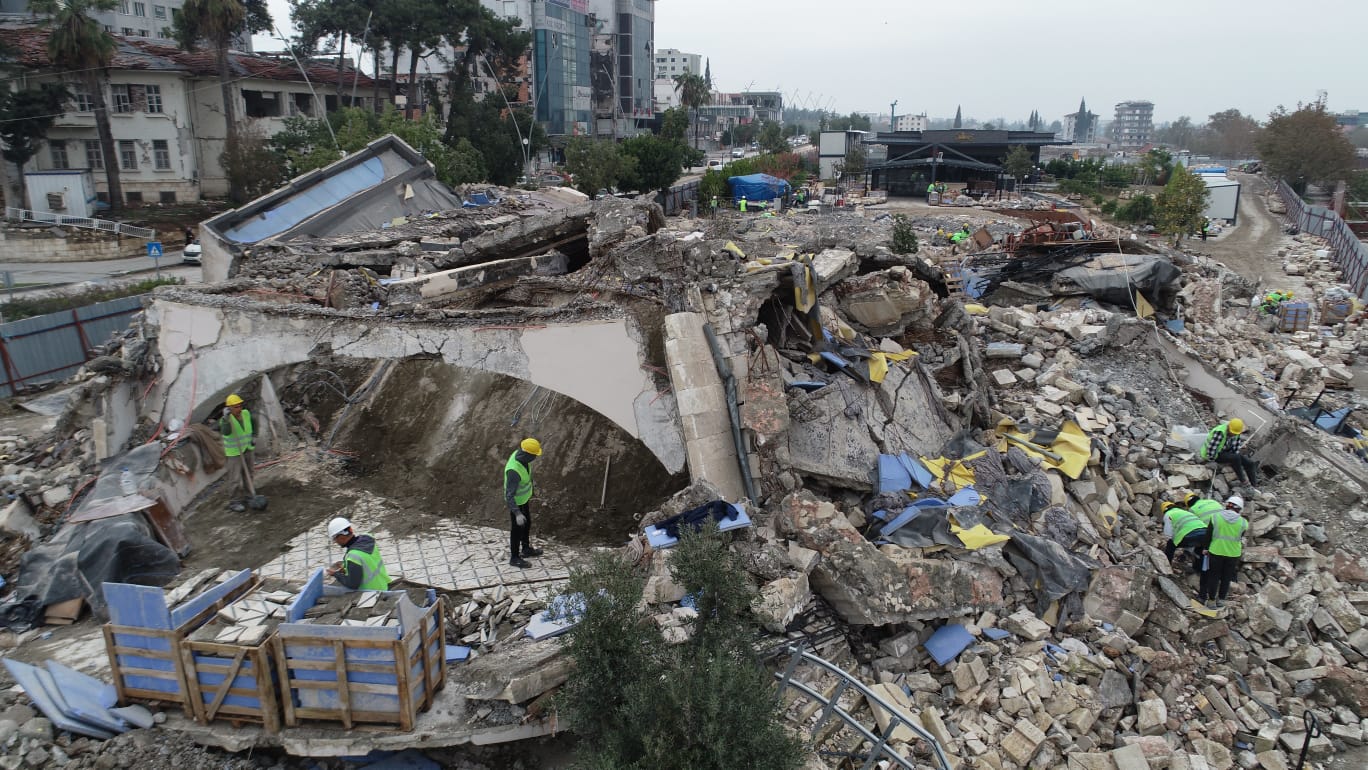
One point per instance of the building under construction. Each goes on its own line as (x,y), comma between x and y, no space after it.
(968,158)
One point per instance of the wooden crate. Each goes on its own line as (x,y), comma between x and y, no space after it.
(143,637)
(233,682)
(353,674)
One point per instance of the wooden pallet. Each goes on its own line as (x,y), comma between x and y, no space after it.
(233,682)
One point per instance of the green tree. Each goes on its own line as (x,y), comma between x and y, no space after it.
(1018,162)
(596,164)
(694,92)
(26,116)
(78,44)
(1179,207)
(1305,147)
(250,164)
(904,236)
(853,165)
(659,162)
(1138,209)
(705,704)
(1358,186)
(771,138)
(712,184)
(1117,176)
(674,124)
(1155,167)
(1233,134)
(219,23)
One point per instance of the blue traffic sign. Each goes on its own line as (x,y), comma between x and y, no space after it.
(154,249)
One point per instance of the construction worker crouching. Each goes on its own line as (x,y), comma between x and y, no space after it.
(517,495)
(1203,508)
(239,446)
(1223,553)
(1223,446)
(1182,529)
(361,568)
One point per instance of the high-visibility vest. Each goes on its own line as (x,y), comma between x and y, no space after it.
(1184,522)
(931,188)
(1205,509)
(743,204)
(237,436)
(1215,448)
(524,491)
(373,574)
(1227,537)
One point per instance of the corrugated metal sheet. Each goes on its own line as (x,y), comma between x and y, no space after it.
(50,348)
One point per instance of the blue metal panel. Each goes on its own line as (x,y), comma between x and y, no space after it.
(307,597)
(48,348)
(195,606)
(209,681)
(306,203)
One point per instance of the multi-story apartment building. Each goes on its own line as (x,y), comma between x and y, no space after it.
(911,123)
(1134,124)
(670,62)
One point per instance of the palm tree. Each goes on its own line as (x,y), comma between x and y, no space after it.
(693,93)
(219,22)
(79,44)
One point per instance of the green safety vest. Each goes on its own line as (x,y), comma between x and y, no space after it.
(743,204)
(931,188)
(1219,445)
(1227,537)
(1184,522)
(1205,509)
(373,574)
(237,436)
(524,491)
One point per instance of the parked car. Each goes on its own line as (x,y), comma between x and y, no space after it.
(191,254)
(738,153)
(716,164)
(551,180)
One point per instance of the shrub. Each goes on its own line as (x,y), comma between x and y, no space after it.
(904,237)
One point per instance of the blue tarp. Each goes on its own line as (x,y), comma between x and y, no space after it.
(758,187)
(324,195)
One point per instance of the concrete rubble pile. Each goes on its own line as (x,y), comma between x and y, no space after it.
(968,496)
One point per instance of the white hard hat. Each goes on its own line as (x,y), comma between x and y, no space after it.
(337,526)
(1236,500)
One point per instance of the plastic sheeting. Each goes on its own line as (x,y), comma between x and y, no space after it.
(309,202)
(1112,277)
(122,549)
(1050,568)
(758,187)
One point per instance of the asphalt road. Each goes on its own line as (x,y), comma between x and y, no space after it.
(56,277)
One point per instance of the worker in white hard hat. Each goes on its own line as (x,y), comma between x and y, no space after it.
(1228,528)
(239,446)
(517,494)
(361,568)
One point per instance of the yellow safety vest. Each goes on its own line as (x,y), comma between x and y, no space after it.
(237,436)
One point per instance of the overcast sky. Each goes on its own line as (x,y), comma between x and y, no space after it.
(1004,58)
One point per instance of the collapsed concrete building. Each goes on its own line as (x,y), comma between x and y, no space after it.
(956,501)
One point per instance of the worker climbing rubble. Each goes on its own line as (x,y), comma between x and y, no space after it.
(518,495)
(1223,553)
(361,568)
(1223,446)
(1182,529)
(239,446)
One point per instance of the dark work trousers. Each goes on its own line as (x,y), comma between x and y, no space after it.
(520,538)
(1216,580)
(1196,540)
(1245,469)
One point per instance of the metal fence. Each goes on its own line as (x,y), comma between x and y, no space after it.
(52,347)
(677,198)
(1348,251)
(89,223)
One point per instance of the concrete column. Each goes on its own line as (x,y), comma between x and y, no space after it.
(702,405)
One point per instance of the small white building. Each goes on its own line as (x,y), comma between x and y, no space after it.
(1223,197)
(911,123)
(69,193)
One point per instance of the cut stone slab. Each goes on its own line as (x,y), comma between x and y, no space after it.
(1130,757)
(1004,377)
(1152,717)
(1027,626)
(1022,742)
(1114,691)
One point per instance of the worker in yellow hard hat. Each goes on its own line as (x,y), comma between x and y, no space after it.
(239,446)
(1223,446)
(517,495)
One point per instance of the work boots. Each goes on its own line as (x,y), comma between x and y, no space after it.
(519,562)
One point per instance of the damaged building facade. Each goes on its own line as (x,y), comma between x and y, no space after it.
(949,466)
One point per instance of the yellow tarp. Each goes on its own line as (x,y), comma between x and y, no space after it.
(878,363)
(1143,308)
(734,249)
(977,536)
(1072,445)
(955,472)
(973,308)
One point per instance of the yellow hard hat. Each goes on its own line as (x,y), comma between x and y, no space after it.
(1189,498)
(1167,504)
(233,400)
(531,446)
(1236,426)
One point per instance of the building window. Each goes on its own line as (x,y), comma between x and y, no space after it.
(128,155)
(109,29)
(142,33)
(126,31)
(161,155)
(303,104)
(134,198)
(175,14)
(123,102)
(59,154)
(154,100)
(140,9)
(102,197)
(123,7)
(82,101)
(261,104)
(168,196)
(94,155)
(159,12)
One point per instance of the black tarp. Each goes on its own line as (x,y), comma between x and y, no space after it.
(1114,278)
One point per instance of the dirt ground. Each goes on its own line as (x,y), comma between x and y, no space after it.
(1250,248)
